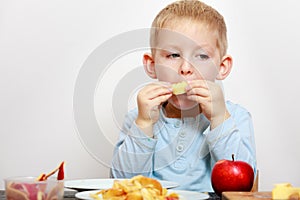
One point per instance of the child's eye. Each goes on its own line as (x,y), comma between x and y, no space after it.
(203,57)
(173,55)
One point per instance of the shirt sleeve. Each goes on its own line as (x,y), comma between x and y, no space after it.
(234,136)
(132,146)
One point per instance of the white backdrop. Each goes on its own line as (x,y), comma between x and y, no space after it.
(43,45)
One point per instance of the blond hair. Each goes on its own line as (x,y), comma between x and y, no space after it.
(194,10)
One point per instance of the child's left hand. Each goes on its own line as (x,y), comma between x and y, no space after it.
(210,97)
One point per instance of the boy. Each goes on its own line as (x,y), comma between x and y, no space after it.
(180,137)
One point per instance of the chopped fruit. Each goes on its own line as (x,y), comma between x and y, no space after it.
(60,175)
(41,177)
(138,187)
(179,88)
(30,189)
(285,191)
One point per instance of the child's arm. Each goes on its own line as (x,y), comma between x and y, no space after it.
(233,136)
(134,150)
(210,97)
(227,134)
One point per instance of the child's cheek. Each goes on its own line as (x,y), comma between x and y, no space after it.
(167,74)
(207,72)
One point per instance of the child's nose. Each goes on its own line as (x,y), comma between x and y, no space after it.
(186,68)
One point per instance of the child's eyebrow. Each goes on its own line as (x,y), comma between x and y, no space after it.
(205,47)
(175,48)
(169,47)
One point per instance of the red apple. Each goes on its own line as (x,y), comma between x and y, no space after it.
(231,175)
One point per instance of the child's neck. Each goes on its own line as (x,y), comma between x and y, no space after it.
(173,112)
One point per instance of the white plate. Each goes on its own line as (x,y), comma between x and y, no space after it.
(183,195)
(99,184)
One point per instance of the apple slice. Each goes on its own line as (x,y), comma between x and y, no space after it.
(60,169)
(179,88)
(61,172)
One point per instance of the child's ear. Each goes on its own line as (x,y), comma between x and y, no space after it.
(225,67)
(149,65)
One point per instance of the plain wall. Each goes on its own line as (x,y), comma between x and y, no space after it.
(43,45)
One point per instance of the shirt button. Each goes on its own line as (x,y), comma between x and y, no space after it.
(179,148)
(177,124)
(180,164)
(182,134)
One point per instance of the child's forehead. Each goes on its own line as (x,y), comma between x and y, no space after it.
(196,34)
(191,25)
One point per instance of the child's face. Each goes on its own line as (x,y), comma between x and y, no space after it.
(186,51)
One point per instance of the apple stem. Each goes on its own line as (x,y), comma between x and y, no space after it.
(232,157)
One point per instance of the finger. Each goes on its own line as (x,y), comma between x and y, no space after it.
(160,99)
(203,92)
(199,99)
(157,86)
(199,83)
(155,92)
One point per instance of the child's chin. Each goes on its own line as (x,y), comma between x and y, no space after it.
(182,103)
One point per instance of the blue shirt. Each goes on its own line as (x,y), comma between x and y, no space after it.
(183,150)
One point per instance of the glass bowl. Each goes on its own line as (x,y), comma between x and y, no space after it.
(28,188)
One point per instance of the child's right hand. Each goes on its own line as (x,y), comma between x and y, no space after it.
(149,100)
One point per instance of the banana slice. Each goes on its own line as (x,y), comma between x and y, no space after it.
(179,88)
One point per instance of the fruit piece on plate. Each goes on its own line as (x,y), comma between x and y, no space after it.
(148,182)
(284,191)
(138,187)
(179,88)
